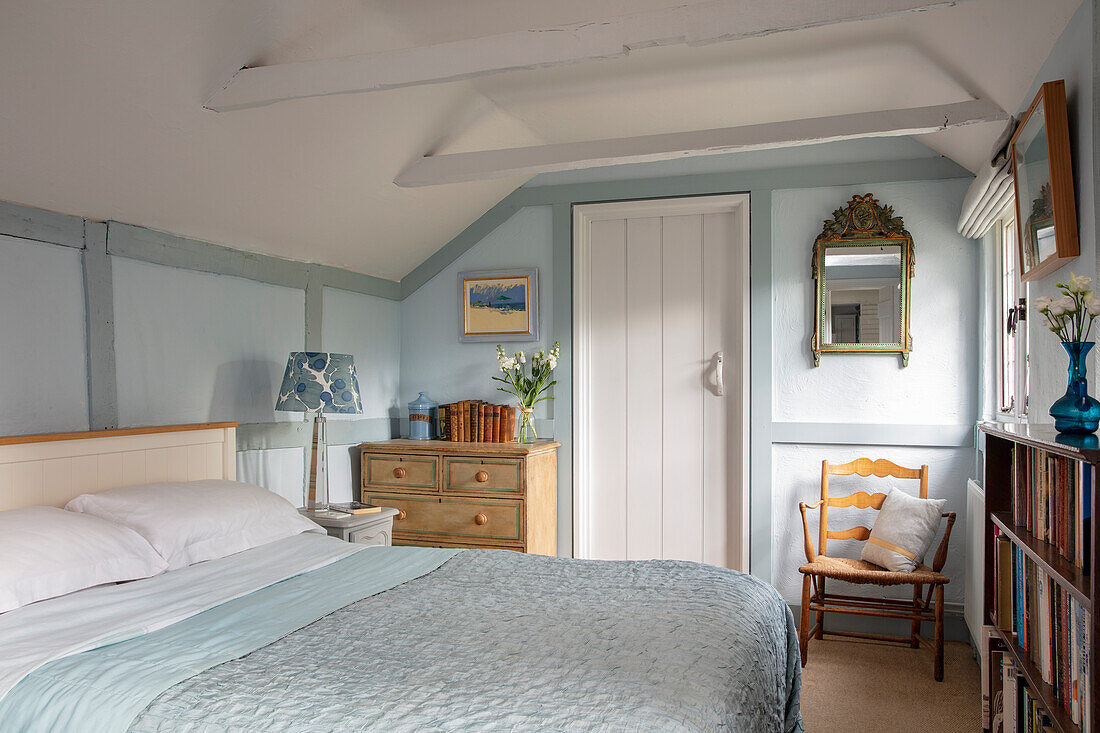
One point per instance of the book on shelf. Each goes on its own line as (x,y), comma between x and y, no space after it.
(1009,694)
(355,507)
(477,421)
(1052,499)
(1050,627)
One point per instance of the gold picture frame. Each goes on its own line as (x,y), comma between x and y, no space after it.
(863,229)
(498,305)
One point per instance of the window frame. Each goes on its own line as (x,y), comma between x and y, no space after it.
(1015,407)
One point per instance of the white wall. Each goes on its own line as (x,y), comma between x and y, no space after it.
(939,387)
(44,386)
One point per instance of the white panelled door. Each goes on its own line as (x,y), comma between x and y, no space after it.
(661,380)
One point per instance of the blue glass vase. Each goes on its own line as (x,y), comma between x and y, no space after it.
(1075,411)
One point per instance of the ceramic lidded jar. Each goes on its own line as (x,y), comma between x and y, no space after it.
(422,417)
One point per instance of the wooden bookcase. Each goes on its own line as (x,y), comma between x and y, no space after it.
(1001,442)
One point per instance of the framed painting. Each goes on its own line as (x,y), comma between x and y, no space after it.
(499,305)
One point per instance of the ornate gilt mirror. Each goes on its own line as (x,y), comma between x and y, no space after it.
(862,265)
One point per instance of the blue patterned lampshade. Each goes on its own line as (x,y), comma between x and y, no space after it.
(319,382)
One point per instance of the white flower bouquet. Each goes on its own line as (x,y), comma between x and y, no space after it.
(529,389)
(1070,317)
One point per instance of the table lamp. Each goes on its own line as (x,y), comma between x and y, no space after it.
(317,383)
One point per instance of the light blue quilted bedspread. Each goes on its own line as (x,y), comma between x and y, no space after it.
(496,640)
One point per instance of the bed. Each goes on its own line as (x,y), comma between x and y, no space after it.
(311,633)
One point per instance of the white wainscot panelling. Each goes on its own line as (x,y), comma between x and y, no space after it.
(44,388)
(193,347)
(368,328)
(796,476)
(281,471)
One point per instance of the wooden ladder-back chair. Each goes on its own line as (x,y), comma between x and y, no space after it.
(818,567)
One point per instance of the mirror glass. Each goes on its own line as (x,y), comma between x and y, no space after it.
(861,295)
(1032,176)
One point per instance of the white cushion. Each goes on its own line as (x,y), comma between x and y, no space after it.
(903,531)
(47,552)
(193,521)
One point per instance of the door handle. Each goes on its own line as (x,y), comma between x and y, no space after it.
(719,373)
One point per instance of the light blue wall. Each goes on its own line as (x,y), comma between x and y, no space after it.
(132,327)
(44,385)
(1072,60)
(193,347)
(432,359)
(368,328)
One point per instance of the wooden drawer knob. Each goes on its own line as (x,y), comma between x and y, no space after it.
(481,477)
(399,472)
(480,519)
(401,514)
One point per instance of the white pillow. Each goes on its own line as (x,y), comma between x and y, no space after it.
(47,552)
(903,531)
(198,520)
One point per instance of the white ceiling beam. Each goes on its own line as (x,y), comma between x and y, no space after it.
(529,161)
(708,22)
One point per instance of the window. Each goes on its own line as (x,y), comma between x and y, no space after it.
(1012,342)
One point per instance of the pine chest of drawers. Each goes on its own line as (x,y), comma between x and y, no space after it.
(500,495)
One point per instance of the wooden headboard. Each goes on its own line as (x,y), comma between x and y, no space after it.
(52,469)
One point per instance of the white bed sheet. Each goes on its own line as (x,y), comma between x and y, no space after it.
(41,632)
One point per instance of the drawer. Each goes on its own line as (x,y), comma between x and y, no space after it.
(472,545)
(418,472)
(376,534)
(482,475)
(455,519)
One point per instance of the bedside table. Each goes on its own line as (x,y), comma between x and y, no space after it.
(363,529)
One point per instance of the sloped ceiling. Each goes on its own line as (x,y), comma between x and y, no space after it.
(101,113)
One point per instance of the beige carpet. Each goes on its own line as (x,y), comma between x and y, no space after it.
(866,687)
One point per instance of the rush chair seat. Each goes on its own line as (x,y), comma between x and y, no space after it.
(820,566)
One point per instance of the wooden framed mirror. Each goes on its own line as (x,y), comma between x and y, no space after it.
(862,267)
(1042,173)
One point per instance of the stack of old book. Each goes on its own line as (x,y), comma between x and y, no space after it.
(476,421)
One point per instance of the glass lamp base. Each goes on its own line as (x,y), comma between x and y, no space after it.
(317,482)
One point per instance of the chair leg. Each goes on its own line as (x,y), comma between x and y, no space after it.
(914,631)
(804,626)
(938,642)
(821,614)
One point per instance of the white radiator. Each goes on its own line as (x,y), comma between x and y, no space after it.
(975,560)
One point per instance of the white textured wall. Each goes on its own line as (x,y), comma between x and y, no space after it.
(939,387)
(193,347)
(44,386)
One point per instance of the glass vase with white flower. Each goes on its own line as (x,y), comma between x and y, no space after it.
(529,388)
(1070,317)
